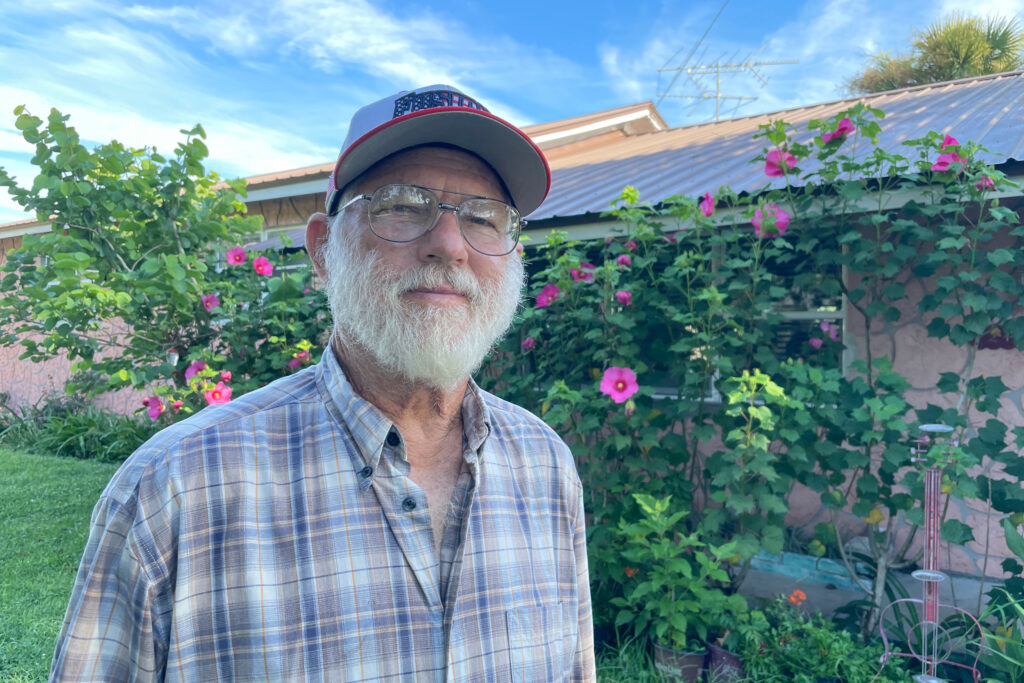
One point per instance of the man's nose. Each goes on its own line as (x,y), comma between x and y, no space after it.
(444,242)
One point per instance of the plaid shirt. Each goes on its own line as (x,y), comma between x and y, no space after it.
(279,538)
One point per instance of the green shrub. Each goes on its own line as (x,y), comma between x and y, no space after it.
(67,429)
(786,644)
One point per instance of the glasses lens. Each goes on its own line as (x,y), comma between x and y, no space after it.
(401,213)
(490,226)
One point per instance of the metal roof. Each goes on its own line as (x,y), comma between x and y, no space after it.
(691,160)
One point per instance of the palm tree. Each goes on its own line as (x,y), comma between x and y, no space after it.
(957,46)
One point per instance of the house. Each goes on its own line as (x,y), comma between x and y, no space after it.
(593,156)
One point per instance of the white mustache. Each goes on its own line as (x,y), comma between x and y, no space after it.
(437,275)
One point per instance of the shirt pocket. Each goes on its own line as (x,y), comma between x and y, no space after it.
(542,642)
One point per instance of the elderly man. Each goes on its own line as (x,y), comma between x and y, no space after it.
(377,516)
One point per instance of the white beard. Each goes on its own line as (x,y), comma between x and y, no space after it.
(433,346)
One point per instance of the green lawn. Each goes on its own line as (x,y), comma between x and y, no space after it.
(45,504)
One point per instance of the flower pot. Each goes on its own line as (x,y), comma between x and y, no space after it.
(723,666)
(680,665)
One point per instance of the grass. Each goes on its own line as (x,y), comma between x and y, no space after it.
(629,662)
(45,506)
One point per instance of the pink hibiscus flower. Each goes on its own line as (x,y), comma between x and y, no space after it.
(219,394)
(625,298)
(777,162)
(768,217)
(155,407)
(624,261)
(707,205)
(210,302)
(946,160)
(844,128)
(619,383)
(263,266)
(237,255)
(548,295)
(529,343)
(193,369)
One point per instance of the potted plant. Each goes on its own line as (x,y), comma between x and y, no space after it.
(676,599)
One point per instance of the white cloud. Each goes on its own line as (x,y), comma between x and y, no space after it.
(414,49)
(235,34)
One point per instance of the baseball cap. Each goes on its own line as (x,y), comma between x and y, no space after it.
(441,114)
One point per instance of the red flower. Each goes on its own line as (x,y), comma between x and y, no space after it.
(226,375)
(176,405)
(797,597)
(777,162)
(630,572)
(263,266)
(237,255)
(619,383)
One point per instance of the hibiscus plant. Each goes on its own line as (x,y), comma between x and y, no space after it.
(730,402)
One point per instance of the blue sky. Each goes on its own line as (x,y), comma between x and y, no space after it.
(274,83)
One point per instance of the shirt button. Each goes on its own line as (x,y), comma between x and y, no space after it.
(409,504)
(393,439)
(366,472)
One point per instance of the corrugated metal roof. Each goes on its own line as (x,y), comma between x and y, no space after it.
(691,160)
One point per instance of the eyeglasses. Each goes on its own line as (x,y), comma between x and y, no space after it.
(403,213)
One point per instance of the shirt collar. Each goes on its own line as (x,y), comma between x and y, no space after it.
(369,427)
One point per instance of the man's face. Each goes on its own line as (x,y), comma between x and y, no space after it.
(428,310)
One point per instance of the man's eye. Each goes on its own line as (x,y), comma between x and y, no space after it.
(482,222)
(404,209)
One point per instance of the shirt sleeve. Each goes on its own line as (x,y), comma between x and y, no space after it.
(116,624)
(584,668)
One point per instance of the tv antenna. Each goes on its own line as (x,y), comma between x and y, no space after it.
(716,68)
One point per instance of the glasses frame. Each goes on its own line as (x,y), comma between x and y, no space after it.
(517,228)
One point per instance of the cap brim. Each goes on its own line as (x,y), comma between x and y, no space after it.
(514,157)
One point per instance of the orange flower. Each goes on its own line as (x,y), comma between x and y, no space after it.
(630,572)
(797,597)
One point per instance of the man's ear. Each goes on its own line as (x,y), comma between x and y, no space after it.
(519,249)
(316,236)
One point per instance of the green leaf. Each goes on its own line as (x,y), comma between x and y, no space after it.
(955,531)
(1014,541)
(1000,257)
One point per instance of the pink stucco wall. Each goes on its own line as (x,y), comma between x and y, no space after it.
(922,359)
